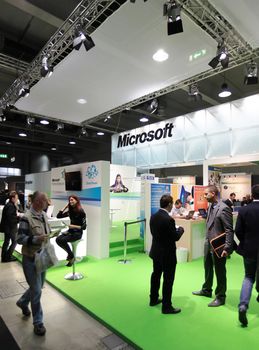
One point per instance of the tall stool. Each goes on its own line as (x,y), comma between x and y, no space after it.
(74,275)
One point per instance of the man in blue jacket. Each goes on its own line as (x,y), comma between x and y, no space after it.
(163,254)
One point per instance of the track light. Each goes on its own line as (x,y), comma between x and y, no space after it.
(107,118)
(251,77)
(222,56)
(24,91)
(2,118)
(60,126)
(174,22)
(152,108)
(224,91)
(30,120)
(194,93)
(82,38)
(46,69)
(83,132)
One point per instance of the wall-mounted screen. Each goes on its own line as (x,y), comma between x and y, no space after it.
(73,181)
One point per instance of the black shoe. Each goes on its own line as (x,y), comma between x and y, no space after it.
(203,293)
(242,315)
(70,262)
(156,302)
(171,310)
(39,329)
(25,310)
(12,258)
(217,302)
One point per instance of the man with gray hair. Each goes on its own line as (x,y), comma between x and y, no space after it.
(33,231)
(219,220)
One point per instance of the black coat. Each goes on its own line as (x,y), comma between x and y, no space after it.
(247,230)
(9,217)
(165,234)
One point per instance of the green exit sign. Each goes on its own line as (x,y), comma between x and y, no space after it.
(197,55)
(3,155)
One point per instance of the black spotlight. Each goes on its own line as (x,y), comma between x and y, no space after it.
(221,56)
(174,22)
(24,91)
(82,38)
(251,77)
(46,69)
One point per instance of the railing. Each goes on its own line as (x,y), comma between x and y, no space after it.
(124,260)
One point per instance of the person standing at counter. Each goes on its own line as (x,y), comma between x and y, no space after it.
(178,209)
(77,216)
(9,225)
(219,220)
(163,254)
(247,232)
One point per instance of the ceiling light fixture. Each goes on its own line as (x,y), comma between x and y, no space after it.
(194,93)
(81,101)
(44,122)
(100,133)
(144,120)
(30,120)
(174,22)
(46,69)
(60,126)
(160,55)
(224,91)
(251,77)
(24,91)
(53,148)
(22,134)
(83,132)
(2,118)
(72,142)
(107,118)
(222,56)
(81,37)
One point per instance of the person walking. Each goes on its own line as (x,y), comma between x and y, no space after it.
(246,231)
(33,232)
(163,254)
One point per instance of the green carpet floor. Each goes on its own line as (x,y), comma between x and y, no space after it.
(118,294)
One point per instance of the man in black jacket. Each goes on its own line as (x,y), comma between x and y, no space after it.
(163,253)
(247,232)
(231,200)
(9,223)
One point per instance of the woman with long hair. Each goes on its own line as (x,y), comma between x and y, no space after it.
(77,224)
(118,185)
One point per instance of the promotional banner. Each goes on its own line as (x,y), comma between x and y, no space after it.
(214,176)
(238,183)
(157,190)
(200,202)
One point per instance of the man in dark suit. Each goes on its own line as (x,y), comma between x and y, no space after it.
(247,232)
(219,220)
(231,200)
(163,253)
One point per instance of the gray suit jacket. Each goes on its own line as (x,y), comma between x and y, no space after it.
(219,220)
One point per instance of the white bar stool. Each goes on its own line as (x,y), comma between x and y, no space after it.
(73,276)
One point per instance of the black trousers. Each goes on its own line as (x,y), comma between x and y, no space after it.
(63,240)
(7,251)
(211,262)
(168,269)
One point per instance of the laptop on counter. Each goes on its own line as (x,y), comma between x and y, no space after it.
(190,214)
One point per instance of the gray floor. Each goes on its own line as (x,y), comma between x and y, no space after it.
(68,327)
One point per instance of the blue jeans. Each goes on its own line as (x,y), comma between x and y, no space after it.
(250,265)
(33,293)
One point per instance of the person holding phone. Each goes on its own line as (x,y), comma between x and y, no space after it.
(77,216)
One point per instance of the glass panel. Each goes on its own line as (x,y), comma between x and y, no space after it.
(195,149)
(158,154)
(245,141)
(175,152)
(218,118)
(219,145)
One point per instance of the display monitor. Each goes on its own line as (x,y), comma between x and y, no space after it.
(73,181)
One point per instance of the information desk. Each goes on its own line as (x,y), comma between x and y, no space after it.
(193,237)
(61,253)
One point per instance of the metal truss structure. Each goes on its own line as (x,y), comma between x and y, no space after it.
(212,22)
(12,64)
(90,14)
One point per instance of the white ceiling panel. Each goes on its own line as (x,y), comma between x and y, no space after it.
(120,67)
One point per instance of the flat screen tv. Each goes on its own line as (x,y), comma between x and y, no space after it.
(73,181)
